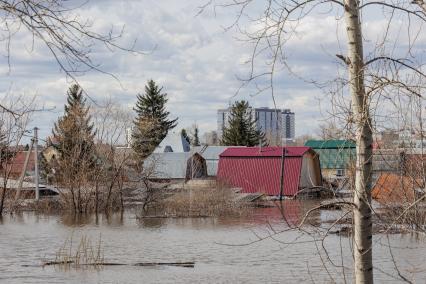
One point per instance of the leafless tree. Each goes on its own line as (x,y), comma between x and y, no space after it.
(14,119)
(370,78)
(58,26)
(330,130)
(151,193)
(111,121)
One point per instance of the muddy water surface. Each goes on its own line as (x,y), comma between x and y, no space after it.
(216,245)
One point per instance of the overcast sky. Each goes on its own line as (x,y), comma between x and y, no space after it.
(192,57)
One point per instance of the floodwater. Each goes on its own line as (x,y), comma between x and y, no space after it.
(219,247)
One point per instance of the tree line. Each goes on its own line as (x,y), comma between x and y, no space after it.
(85,163)
(86,166)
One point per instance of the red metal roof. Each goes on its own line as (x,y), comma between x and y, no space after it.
(264,151)
(260,171)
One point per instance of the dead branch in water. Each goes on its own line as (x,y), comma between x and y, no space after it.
(189,264)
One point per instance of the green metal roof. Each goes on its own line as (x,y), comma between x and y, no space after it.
(334,154)
(336,158)
(330,144)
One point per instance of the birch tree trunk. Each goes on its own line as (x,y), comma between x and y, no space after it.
(362,231)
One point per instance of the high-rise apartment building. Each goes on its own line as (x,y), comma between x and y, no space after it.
(278,125)
(288,122)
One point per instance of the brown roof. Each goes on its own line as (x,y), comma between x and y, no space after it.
(393,188)
(16,165)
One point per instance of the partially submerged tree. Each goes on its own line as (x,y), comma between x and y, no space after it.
(14,119)
(152,122)
(74,136)
(111,122)
(241,129)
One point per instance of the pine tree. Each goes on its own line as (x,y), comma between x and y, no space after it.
(195,136)
(241,129)
(151,124)
(75,135)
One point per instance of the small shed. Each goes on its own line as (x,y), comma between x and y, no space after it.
(336,156)
(261,169)
(196,167)
(167,165)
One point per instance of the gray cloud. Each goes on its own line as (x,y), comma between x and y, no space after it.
(194,59)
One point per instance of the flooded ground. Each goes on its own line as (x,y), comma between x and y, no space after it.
(216,245)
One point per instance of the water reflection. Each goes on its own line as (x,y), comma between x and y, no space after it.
(152,222)
(29,239)
(289,212)
(79,220)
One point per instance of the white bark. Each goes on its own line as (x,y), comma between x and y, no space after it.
(362,231)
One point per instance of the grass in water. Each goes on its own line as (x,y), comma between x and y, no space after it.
(85,253)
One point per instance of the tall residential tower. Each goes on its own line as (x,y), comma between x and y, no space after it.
(288,122)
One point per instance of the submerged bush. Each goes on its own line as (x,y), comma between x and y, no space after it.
(201,202)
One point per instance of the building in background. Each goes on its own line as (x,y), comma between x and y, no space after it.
(211,138)
(289,128)
(278,125)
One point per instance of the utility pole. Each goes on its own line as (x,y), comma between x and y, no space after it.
(282,172)
(36,180)
(21,178)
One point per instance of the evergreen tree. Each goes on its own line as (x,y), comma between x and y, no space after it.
(151,124)
(195,137)
(75,135)
(241,129)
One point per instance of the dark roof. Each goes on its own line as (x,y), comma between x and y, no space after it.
(330,144)
(264,151)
